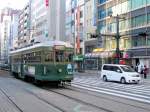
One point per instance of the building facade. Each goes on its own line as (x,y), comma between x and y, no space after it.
(47,20)
(69,25)
(90,25)
(79,26)
(24,26)
(14,30)
(134,20)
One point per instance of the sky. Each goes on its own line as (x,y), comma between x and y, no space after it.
(16,4)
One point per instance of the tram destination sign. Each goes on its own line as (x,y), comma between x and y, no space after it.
(59,47)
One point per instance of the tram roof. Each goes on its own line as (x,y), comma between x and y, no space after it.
(44,44)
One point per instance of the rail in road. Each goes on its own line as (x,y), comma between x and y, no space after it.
(139,92)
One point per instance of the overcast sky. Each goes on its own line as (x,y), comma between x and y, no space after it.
(16,4)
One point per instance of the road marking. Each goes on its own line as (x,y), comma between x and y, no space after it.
(135,97)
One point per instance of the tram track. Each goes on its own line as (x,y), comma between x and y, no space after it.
(45,101)
(98,96)
(8,97)
(80,101)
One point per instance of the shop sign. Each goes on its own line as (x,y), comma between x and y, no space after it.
(78,58)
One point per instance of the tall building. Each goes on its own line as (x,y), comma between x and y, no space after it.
(90,25)
(7,33)
(134,21)
(14,30)
(24,26)
(69,25)
(47,20)
(79,25)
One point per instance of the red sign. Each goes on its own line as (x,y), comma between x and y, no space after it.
(46,3)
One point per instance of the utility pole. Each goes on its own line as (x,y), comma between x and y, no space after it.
(117,41)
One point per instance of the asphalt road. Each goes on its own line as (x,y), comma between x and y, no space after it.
(19,96)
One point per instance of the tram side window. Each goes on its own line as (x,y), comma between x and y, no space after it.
(32,57)
(59,56)
(16,60)
(49,57)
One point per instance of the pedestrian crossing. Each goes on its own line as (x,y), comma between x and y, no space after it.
(141,90)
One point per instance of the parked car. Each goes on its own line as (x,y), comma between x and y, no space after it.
(120,73)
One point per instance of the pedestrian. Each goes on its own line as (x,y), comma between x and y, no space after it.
(141,69)
(136,68)
(145,71)
(75,67)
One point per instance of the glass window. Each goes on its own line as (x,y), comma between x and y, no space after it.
(127,69)
(49,57)
(138,21)
(102,14)
(68,56)
(148,1)
(148,41)
(138,3)
(59,55)
(122,25)
(115,69)
(107,67)
(127,43)
(102,1)
(109,11)
(139,41)
(113,44)
(148,18)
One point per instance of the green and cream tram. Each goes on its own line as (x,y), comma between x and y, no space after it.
(49,61)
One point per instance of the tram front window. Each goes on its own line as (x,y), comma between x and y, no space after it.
(59,56)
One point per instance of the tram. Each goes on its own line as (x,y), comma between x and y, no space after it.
(49,61)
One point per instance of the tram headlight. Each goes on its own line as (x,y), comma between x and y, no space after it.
(59,70)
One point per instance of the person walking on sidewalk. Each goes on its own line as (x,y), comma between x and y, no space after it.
(145,71)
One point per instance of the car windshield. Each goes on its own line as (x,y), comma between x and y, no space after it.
(127,69)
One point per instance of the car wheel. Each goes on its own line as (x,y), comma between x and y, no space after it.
(105,78)
(123,80)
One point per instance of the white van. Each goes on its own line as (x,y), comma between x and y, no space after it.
(120,73)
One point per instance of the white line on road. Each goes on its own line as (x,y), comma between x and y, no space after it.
(136,97)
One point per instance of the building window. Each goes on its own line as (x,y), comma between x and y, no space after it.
(138,3)
(138,21)
(102,14)
(139,41)
(81,14)
(102,1)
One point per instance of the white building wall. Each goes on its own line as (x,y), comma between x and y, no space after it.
(56,16)
(48,20)
(5,38)
(14,30)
